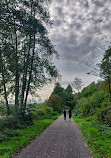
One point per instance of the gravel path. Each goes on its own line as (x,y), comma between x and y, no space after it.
(60,140)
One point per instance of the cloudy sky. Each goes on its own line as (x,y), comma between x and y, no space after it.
(81,29)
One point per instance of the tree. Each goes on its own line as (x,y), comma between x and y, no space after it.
(69,97)
(55,101)
(60,91)
(26,49)
(3,83)
(77,84)
(89,90)
(105,69)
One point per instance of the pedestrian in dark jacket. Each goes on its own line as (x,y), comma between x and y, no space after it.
(64,114)
(70,115)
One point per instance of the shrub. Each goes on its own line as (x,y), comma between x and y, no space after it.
(3,137)
(101,114)
(10,122)
(3,110)
(96,99)
(48,110)
(108,116)
(83,106)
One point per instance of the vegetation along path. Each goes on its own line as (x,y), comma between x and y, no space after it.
(61,139)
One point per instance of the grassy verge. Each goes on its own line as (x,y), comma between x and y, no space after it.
(97,136)
(19,138)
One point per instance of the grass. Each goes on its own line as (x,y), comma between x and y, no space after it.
(21,137)
(97,136)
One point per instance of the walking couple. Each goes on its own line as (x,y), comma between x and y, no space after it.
(70,114)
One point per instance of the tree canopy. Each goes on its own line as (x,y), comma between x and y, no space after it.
(26,52)
(105,69)
(66,95)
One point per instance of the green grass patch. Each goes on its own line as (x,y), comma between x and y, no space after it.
(97,136)
(13,140)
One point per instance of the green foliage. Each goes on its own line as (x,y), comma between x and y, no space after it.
(104,115)
(3,110)
(105,70)
(26,52)
(105,65)
(3,137)
(60,92)
(83,106)
(89,90)
(10,122)
(21,137)
(96,135)
(68,100)
(97,98)
(90,105)
(94,100)
(16,129)
(33,112)
(7,133)
(69,97)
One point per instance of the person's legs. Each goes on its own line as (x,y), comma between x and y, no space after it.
(65,118)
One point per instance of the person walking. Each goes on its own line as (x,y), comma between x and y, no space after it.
(64,114)
(70,115)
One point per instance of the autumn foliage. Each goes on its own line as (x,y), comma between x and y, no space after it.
(55,101)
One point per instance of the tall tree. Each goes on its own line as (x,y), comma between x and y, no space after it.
(60,91)
(69,97)
(105,70)
(31,52)
(3,83)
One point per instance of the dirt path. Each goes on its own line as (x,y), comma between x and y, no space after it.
(60,140)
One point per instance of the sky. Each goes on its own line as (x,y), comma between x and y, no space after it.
(81,32)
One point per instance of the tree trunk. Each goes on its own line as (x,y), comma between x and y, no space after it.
(26,66)
(30,74)
(4,86)
(16,68)
(5,95)
(25,75)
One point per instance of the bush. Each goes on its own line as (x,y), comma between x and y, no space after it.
(96,99)
(108,116)
(48,110)
(44,112)
(10,122)
(88,106)
(101,114)
(3,110)
(83,106)
(3,137)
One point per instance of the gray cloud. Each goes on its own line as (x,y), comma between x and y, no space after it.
(79,27)
(78,24)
